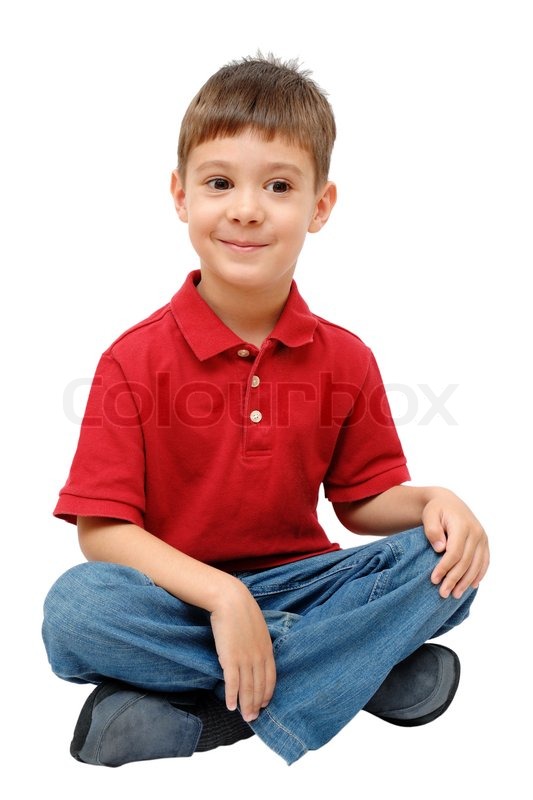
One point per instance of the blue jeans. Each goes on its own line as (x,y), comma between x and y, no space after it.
(338,622)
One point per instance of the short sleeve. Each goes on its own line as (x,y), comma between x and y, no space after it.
(107,474)
(368,457)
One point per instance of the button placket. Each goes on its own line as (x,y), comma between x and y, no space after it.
(258,400)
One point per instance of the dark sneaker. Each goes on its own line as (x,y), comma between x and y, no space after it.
(119,724)
(418,689)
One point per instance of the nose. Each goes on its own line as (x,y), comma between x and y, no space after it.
(245,207)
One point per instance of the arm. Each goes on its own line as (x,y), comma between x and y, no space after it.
(450,526)
(241,636)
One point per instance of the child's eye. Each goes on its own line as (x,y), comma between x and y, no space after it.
(219,183)
(280,187)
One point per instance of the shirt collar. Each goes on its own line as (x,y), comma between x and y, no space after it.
(208,336)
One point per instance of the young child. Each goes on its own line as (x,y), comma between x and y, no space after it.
(212,604)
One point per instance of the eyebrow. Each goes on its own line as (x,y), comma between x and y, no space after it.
(271,166)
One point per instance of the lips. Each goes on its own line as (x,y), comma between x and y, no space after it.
(242,248)
(246,245)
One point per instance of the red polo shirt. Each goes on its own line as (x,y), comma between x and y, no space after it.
(220,449)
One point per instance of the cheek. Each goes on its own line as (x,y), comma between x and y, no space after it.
(292,225)
(200,224)
(196,235)
(296,232)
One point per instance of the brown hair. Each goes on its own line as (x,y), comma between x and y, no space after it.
(271,97)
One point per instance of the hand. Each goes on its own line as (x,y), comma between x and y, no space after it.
(452,529)
(244,650)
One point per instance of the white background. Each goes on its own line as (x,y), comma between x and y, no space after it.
(425,257)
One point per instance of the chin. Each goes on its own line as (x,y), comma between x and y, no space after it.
(246,275)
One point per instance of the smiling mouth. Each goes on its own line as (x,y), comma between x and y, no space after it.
(243,247)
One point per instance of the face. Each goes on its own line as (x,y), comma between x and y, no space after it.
(249,204)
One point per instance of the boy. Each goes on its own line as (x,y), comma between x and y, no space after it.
(212,604)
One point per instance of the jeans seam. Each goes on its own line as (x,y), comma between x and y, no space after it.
(396,548)
(286,730)
(379,587)
(382,578)
(278,642)
(258,591)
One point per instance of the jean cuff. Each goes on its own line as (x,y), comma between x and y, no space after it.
(276,736)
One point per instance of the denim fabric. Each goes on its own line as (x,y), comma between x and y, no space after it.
(338,622)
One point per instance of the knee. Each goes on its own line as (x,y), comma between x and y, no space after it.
(66,600)
(81,596)
(415,546)
(79,608)
(420,559)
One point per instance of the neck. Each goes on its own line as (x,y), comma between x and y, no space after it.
(251,314)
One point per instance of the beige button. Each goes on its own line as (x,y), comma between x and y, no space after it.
(256,416)
(243,353)
(255,381)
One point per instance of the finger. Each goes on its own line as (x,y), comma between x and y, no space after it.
(452,557)
(483,571)
(481,575)
(264,681)
(453,577)
(476,570)
(270,681)
(435,534)
(247,706)
(458,573)
(466,580)
(461,576)
(460,547)
(231,685)
(259,688)
(452,566)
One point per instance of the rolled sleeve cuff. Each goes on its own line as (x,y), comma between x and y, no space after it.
(376,485)
(70,507)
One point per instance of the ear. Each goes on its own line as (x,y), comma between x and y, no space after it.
(177,190)
(324,206)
